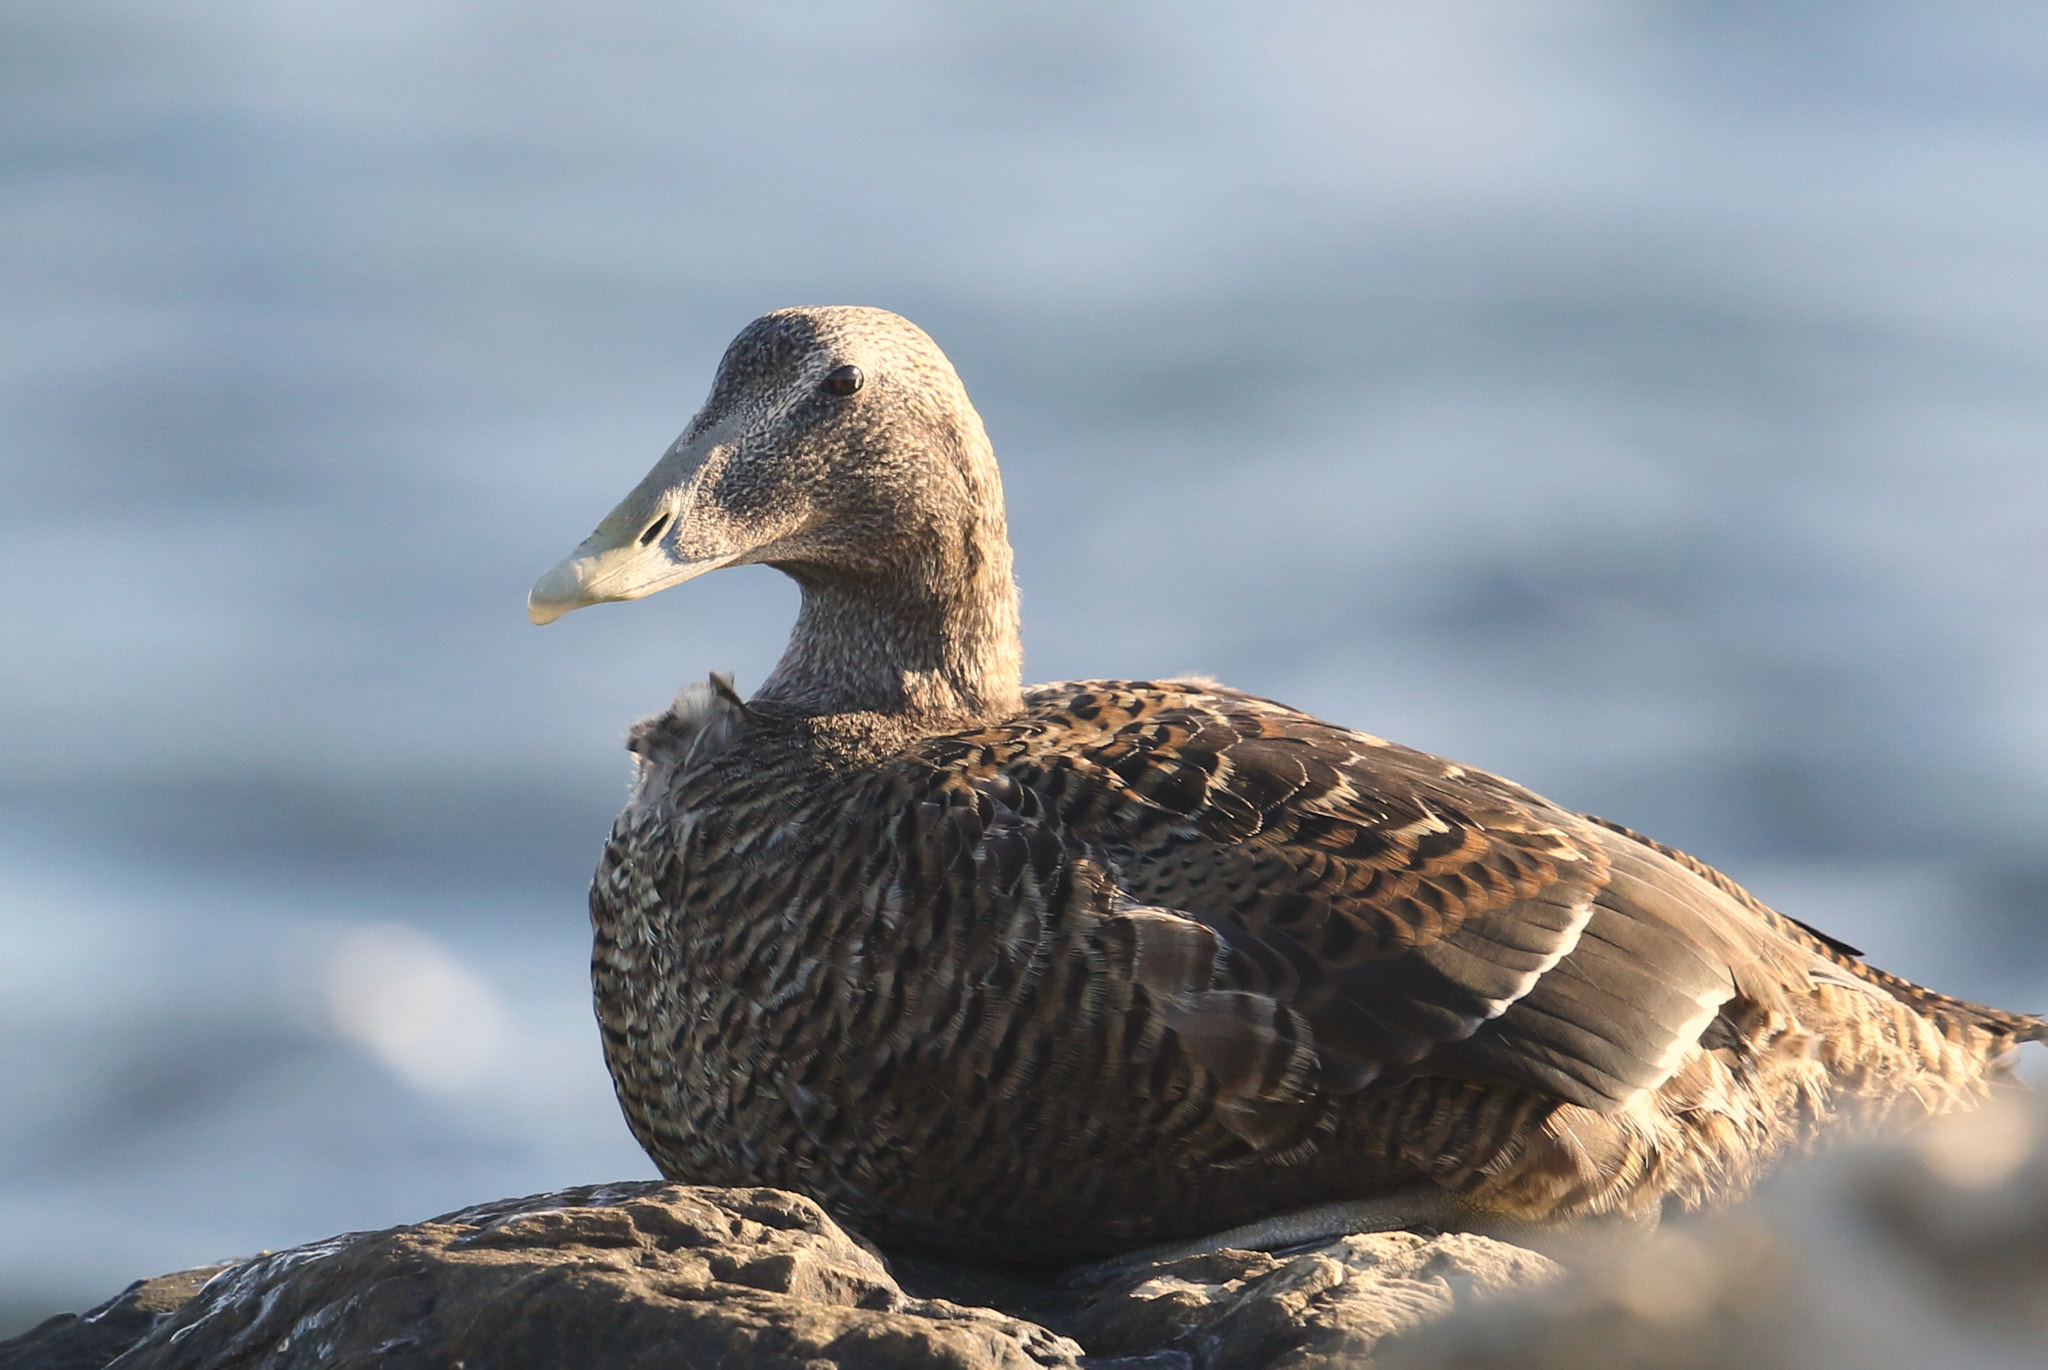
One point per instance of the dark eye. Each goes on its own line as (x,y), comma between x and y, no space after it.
(843,380)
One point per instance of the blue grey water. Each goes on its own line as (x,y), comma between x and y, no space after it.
(1644,400)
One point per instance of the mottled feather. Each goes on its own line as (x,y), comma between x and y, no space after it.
(1150,959)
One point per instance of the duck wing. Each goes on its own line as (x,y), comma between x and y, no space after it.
(1321,911)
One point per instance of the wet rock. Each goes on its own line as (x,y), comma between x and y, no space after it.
(88,1340)
(659,1275)
(1929,1251)
(645,1275)
(627,1276)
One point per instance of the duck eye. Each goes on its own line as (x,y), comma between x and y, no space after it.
(843,380)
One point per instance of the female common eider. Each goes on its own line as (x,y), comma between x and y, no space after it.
(1050,973)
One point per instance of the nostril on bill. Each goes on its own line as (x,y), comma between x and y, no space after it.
(654,530)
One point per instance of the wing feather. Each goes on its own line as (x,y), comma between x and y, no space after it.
(1378,914)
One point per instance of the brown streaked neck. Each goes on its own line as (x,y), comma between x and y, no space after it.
(929,642)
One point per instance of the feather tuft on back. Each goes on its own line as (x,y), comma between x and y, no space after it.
(706,720)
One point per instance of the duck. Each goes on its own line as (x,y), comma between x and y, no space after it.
(1048,974)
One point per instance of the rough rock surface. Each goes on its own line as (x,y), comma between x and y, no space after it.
(1928,1252)
(635,1275)
(87,1341)
(1329,1306)
(646,1275)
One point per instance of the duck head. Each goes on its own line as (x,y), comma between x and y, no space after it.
(839,446)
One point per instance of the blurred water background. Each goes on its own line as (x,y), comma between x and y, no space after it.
(1643,400)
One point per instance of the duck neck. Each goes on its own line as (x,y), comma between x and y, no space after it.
(928,640)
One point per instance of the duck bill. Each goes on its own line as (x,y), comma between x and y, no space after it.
(634,551)
(601,573)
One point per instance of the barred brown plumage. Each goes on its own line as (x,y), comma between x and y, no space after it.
(1046,974)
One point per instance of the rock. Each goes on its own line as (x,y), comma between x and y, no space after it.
(637,1275)
(646,1275)
(653,1274)
(87,1341)
(1929,1251)
(1329,1306)
(1923,1253)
